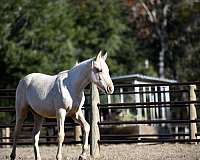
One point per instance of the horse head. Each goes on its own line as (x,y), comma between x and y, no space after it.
(100,74)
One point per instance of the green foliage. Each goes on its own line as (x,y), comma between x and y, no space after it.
(127,116)
(185,47)
(36,37)
(104,25)
(49,36)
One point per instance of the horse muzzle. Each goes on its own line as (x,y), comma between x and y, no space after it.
(110,89)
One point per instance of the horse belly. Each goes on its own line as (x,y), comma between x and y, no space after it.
(40,95)
(47,113)
(43,107)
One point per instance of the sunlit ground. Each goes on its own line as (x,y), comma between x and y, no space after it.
(114,152)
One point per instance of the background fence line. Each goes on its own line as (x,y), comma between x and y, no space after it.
(94,111)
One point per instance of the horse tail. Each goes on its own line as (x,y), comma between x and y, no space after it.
(21,105)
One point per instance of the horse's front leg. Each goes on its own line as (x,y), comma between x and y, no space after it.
(61,113)
(86,129)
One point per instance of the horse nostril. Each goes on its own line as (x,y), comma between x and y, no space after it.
(110,89)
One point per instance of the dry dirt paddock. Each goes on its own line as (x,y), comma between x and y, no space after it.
(114,152)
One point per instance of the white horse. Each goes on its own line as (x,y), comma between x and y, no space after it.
(59,96)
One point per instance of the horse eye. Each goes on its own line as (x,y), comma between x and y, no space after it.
(98,70)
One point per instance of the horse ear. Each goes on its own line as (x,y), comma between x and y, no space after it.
(76,63)
(105,56)
(98,56)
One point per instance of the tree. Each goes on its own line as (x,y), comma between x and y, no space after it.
(154,16)
(104,25)
(49,36)
(35,37)
(186,45)
(163,28)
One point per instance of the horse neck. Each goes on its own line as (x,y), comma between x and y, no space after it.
(80,76)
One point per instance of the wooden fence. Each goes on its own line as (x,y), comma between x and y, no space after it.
(183,97)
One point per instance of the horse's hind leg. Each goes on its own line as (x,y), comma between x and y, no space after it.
(21,114)
(36,133)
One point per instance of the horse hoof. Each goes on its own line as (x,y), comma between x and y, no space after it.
(81,157)
(12,157)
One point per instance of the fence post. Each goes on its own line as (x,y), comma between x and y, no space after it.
(193,113)
(95,135)
(77,133)
(6,134)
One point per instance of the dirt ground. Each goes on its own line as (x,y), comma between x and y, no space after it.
(114,152)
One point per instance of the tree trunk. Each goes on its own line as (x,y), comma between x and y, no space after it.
(161,62)
(163,44)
